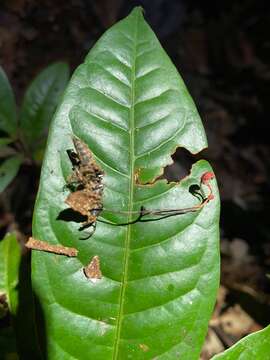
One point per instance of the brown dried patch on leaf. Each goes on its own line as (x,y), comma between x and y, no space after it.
(56,249)
(137,176)
(92,270)
(144,347)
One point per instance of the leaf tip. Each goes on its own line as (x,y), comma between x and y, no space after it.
(138,11)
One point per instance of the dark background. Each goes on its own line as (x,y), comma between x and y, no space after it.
(222,50)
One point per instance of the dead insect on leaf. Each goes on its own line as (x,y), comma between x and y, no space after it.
(86,172)
(56,249)
(92,270)
(85,184)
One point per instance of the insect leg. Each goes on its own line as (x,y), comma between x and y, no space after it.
(92,228)
(73,157)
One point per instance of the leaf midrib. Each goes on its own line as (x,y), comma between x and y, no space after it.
(130,204)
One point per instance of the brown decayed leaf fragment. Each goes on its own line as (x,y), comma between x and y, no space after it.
(56,249)
(92,270)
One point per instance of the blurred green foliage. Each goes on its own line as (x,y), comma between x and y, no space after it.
(23,132)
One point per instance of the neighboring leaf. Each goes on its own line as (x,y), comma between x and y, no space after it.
(8,120)
(159,279)
(255,346)
(8,170)
(2,269)
(16,285)
(7,151)
(4,142)
(10,257)
(40,101)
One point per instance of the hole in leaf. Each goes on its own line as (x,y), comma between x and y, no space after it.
(182,162)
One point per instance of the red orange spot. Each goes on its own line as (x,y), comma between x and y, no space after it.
(206,177)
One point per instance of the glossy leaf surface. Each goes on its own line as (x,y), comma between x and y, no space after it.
(252,347)
(129,104)
(40,102)
(8,121)
(8,170)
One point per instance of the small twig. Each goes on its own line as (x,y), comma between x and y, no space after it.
(56,249)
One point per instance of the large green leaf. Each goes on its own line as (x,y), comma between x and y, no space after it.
(40,102)
(8,170)
(8,121)
(129,104)
(253,347)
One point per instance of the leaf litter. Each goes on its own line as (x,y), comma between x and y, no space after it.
(92,270)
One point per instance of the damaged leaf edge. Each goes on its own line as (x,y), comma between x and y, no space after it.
(170,161)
